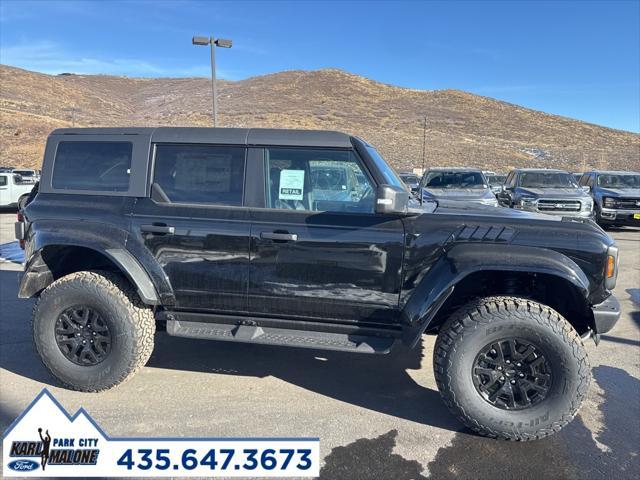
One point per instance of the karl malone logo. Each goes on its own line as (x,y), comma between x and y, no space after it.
(64,441)
(63,452)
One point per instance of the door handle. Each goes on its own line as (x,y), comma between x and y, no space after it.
(158,228)
(282,237)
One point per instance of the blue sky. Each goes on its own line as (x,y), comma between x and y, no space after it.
(578,59)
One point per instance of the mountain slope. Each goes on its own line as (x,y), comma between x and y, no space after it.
(462,128)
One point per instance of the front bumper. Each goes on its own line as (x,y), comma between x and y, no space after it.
(620,216)
(606,314)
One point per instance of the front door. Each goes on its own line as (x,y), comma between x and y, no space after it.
(318,250)
(196,226)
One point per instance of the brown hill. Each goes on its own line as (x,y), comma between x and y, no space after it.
(462,129)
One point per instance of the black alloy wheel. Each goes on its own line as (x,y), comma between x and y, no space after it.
(83,336)
(512,374)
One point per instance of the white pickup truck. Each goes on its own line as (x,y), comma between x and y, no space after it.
(12,189)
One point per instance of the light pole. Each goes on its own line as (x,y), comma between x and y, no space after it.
(213,42)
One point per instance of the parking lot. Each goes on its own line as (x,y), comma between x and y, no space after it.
(376,416)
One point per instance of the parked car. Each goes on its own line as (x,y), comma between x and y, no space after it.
(411,180)
(27,175)
(495,181)
(616,196)
(225,239)
(466,185)
(13,190)
(554,192)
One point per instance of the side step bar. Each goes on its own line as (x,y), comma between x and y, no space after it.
(280,336)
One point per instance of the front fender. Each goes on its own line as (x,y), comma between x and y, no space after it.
(464,259)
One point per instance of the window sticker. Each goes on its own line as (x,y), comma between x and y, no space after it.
(291,185)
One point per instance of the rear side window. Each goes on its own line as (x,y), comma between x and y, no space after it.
(96,166)
(3,181)
(201,174)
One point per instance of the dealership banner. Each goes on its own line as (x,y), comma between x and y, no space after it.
(45,441)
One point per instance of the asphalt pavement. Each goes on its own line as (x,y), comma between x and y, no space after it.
(376,416)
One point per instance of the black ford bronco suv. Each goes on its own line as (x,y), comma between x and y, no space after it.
(306,239)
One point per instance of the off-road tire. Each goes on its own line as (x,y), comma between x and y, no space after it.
(131,323)
(486,320)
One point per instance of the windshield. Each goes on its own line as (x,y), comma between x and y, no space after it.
(496,179)
(443,179)
(620,181)
(24,173)
(390,176)
(547,180)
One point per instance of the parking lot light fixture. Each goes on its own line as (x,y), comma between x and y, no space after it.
(213,42)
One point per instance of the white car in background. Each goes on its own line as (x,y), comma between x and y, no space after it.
(28,175)
(13,189)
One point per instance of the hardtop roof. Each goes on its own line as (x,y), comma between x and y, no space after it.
(227,136)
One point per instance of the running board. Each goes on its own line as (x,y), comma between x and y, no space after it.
(280,336)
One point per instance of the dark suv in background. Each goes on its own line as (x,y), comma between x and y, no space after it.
(616,196)
(553,192)
(306,239)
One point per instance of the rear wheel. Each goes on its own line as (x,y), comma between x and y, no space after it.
(511,368)
(92,331)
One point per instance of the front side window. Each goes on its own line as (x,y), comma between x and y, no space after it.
(96,166)
(317,180)
(201,174)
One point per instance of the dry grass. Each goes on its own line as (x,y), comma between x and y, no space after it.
(462,129)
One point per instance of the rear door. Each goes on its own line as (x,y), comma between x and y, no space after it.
(196,226)
(318,250)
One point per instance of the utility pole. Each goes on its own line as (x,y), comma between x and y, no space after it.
(213,42)
(424,142)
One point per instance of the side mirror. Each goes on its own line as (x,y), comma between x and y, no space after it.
(391,199)
(586,188)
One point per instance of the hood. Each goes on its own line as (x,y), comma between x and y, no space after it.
(459,193)
(619,192)
(553,192)
(453,207)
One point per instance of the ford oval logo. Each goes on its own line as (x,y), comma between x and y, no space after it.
(23,465)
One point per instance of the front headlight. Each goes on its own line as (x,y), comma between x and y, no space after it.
(611,202)
(587,205)
(528,203)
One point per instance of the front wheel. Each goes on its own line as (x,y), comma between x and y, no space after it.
(511,368)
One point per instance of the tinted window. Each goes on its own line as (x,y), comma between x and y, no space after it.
(100,166)
(317,180)
(454,179)
(201,173)
(3,181)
